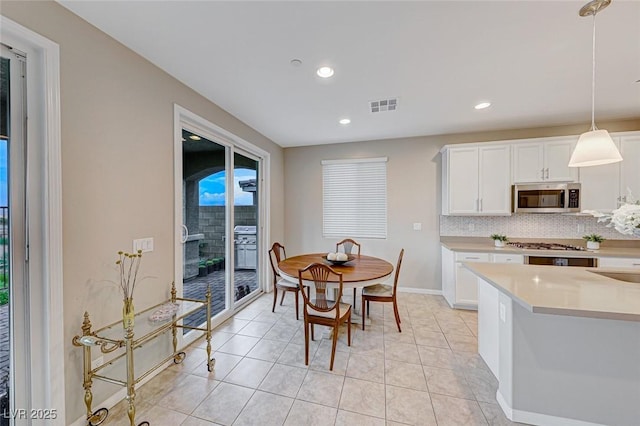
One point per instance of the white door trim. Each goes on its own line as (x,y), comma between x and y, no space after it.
(47,387)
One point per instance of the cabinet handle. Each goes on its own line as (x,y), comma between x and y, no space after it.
(477,204)
(547,177)
(480,209)
(542,173)
(636,264)
(469,258)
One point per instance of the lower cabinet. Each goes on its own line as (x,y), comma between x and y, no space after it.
(459,285)
(618,262)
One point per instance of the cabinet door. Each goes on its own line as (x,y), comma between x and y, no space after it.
(495,180)
(527,162)
(630,167)
(556,159)
(466,287)
(463,180)
(600,187)
(618,262)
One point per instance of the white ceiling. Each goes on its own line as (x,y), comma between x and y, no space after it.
(531,59)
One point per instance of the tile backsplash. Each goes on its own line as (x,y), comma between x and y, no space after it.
(528,226)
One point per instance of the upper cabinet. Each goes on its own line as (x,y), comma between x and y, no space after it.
(605,187)
(545,160)
(630,167)
(476,180)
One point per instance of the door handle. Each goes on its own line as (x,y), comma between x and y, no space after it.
(185,234)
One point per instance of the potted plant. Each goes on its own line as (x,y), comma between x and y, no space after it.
(202,269)
(499,240)
(593,241)
(209,264)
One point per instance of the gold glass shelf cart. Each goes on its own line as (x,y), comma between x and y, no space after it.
(121,341)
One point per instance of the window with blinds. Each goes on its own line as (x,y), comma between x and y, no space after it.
(354,198)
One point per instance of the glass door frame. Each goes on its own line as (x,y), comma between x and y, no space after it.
(185,119)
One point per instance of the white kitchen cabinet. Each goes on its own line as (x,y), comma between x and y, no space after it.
(476,180)
(605,187)
(630,167)
(544,160)
(618,262)
(459,285)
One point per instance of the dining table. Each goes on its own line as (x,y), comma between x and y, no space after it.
(359,271)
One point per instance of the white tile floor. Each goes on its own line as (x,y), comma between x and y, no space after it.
(430,374)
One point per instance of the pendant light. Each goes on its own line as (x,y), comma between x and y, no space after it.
(594,147)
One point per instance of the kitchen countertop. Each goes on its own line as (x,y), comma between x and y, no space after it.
(571,291)
(485,245)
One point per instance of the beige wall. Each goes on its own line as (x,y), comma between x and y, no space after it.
(117,169)
(413,179)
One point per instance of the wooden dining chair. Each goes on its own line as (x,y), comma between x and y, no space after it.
(347,246)
(276,254)
(383,293)
(321,310)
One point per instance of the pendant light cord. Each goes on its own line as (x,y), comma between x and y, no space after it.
(593,78)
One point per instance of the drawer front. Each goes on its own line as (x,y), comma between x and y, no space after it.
(618,262)
(508,258)
(472,257)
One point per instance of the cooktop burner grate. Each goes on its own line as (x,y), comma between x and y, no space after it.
(545,246)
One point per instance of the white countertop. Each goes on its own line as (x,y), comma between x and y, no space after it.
(572,291)
(488,247)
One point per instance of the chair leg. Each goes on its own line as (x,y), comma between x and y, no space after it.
(275,298)
(363,312)
(349,330)
(282,298)
(397,314)
(297,298)
(312,332)
(333,347)
(354,298)
(306,342)
(368,307)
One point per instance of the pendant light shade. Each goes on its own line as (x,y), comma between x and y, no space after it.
(594,147)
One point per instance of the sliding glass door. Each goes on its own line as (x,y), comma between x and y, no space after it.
(220,219)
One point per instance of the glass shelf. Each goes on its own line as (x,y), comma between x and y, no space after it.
(144,328)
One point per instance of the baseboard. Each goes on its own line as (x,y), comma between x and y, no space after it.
(419,291)
(537,418)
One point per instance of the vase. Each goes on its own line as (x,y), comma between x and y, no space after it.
(499,243)
(593,245)
(128,313)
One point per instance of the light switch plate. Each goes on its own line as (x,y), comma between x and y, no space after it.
(144,244)
(417,226)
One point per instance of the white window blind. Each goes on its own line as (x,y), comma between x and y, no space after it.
(354,198)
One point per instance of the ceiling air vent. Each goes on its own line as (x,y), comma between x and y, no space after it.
(384,105)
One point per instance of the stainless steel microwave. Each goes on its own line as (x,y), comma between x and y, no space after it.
(546,198)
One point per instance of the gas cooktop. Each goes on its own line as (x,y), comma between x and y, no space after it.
(545,246)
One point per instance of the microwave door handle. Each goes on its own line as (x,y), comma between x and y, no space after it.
(563,199)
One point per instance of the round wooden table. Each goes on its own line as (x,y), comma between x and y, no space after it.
(359,272)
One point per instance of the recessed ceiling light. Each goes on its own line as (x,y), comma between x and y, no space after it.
(325,72)
(483,105)
(345,121)
(195,137)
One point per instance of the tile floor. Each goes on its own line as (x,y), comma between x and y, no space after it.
(430,374)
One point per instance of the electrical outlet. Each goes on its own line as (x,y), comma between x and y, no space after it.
(95,363)
(417,226)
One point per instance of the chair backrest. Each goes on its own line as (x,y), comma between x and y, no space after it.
(348,245)
(397,275)
(320,275)
(276,253)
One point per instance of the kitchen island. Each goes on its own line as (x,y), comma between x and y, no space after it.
(563,342)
